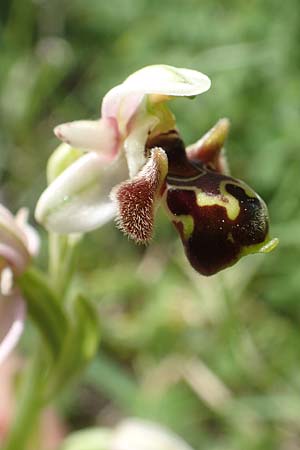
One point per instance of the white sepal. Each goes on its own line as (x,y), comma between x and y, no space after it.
(124,100)
(77,200)
(167,80)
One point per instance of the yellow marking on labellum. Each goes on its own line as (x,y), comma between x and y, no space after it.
(186,179)
(187,222)
(224,199)
(188,225)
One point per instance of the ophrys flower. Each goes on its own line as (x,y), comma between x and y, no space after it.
(218,218)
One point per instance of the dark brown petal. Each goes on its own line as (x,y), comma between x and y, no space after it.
(137,199)
(209,149)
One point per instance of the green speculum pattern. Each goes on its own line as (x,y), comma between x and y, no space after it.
(219,218)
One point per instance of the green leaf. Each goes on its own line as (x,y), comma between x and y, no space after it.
(80,344)
(111,378)
(44,309)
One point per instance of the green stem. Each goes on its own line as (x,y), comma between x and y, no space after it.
(29,406)
(61,262)
(45,308)
(54,257)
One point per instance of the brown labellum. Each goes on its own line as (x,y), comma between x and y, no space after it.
(219,218)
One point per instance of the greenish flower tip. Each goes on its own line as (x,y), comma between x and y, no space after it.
(133,159)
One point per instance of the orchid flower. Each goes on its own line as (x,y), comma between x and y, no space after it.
(219,218)
(18,243)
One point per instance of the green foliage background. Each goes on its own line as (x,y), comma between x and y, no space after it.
(217,360)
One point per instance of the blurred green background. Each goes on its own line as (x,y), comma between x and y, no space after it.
(215,359)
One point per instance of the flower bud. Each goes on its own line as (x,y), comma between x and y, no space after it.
(62,157)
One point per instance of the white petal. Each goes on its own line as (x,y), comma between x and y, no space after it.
(94,135)
(167,80)
(123,101)
(121,104)
(135,143)
(78,200)
(12,313)
(135,434)
(13,242)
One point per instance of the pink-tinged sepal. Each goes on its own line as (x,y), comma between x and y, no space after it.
(137,199)
(210,148)
(91,135)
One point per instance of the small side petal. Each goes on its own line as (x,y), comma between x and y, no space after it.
(209,149)
(77,200)
(137,199)
(12,314)
(92,135)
